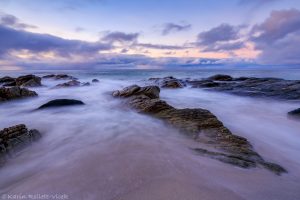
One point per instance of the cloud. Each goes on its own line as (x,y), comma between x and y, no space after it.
(12,21)
(277,26)
(123,61)
(172,28)
(160,46)
(130,40)
(120,37)
(224,46)
(17,40)
(224,32)
(224,37)
(27,50)
(276,40)
(278,37)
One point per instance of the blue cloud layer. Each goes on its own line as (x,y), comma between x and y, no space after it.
(173,27)
(12,39)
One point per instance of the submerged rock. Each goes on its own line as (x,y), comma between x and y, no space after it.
(7,79)
(10,84)
(199,124)
(49,76)
(234,160)
(61,103)
(249,86)
(95,80)
(203,84)
(220,77)
(86,84)
(59,76)
(14,139)
(294,113)
(15,93)
(73,83)
(245,86)
(240,161)
(168,82)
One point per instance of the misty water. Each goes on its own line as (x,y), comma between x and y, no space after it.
(103,150)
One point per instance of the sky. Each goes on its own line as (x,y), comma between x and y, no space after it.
(92,34)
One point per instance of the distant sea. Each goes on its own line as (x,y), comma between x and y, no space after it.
(291,73)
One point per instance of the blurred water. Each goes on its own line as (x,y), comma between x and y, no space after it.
(103,150)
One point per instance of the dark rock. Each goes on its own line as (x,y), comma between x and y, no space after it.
(172,84)
(295,113)
(59,76)
(168,82)
(28,81)
(7,79)
(234,160)
(220,77)
(277,169)
(254,87)
(199,124)
(15,93)
(241,78)
(62,76)
(35,134)
(61,103)
(22,81)
(203,84)
(10,84)
(49,76)
(72,83)
(14,139)
(95,81)
(86,84)
(128,91)
(241,161)
(149,91)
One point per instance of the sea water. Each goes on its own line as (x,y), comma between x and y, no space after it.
(103,150)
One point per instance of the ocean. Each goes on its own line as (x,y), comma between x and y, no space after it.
(105,151)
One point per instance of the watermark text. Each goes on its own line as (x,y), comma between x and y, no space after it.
(34,196)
